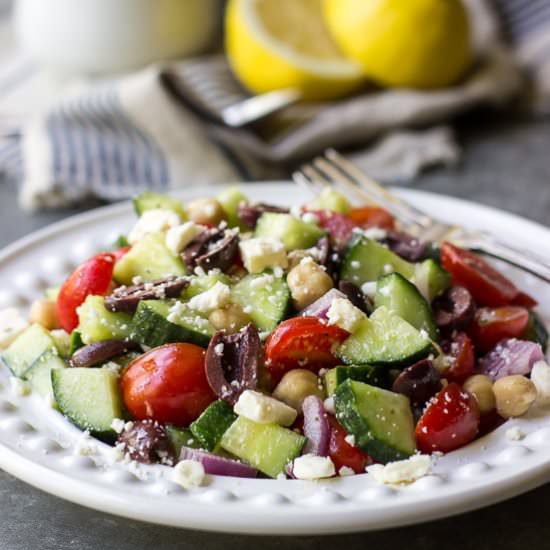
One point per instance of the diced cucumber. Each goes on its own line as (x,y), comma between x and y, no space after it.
(151,327)
(431,279)
(230,200)
(293,232)
(39,375)
(181,437)
(367,260)
(403,298)
(202,283)
(97,323)
(62,341)
(369,374)
(52,292)
(150,200)
(210,426)
(89,398)
(380,421)
(266,296)
(75,342)
(384,339)
(267,447)
(536,331)
(149,259)
(27,348)
(329,199)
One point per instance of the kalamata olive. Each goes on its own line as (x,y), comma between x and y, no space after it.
(146,441)
(127,298)
(221,253)
(328,257)
(356,296)
(454,309)
(231,363)
(199,246)
(249,214)
(419,382)
(100,352)
(406,246)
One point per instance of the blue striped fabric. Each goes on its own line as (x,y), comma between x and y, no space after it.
(522,18)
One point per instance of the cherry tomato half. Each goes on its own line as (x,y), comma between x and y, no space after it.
(302,342)
(450,421)
(372,216)
(167,384)
(485,283)
(460,351)
(491,325)
(342,453)
(93,277)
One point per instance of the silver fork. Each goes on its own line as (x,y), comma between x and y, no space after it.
(334,170)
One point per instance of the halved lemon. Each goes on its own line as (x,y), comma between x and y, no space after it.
(284,44)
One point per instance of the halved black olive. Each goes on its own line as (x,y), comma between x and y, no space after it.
(221,254)
(454,309)
(419,382)
(146,441)
(406,246)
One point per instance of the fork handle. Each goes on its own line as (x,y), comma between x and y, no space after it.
(526,260)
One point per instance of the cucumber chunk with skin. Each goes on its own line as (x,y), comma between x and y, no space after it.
(201,283)
(329,199)
(379,420)
(431,279)
(404,299)
(181,437)
(385,339)
(230,200)
(369,374)
(149,259)
(367,260)
(39,375)
(266,447)
(265,297)
(89,398)
(150,200)
(293,232)
(151,327)
(210,426)
(31,344)
(97,323)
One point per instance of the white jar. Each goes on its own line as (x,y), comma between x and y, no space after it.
(106,36)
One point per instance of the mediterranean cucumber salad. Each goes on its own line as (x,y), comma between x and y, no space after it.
(246,339)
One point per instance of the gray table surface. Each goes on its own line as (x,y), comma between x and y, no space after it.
(506,164)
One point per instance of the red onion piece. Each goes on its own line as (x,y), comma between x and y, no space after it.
(218,465)
(320,307)
(316,426)
(509,357)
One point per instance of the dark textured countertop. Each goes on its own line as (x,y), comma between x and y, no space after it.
(507,165)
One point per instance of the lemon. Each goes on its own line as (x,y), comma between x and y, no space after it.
(274,44)
(406,43)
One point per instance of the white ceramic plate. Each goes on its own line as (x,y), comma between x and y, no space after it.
(38,445)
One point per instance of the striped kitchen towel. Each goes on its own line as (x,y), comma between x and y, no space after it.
(64,141)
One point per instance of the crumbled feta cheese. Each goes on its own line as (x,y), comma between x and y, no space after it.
(12,324)
(346,471)
(85,445)
(264,409)
(312,467)
(375,233)
(345,315)
(401,471)
(388,268)
(278,271)
(369,289)
(350,440)
(260,253)
(310,217)
(137,280)
(177,238)
(214,298)
(18,387)
(247,309)
(262,281)
(329,405)
(218,349)
(153,221)
(540,376)
(189,473)
(514,434)
(118,425)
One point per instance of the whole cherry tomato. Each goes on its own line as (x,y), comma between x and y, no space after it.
(372,216)
(491,325)
(344,454)
(485,283)
(167,384)
(302,342)
(93,277)
(450,421)
(460,352)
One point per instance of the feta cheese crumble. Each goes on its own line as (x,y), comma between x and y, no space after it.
(85,445)
(188,473)
(264,409)
(118,425)
(153,221)
(311,467)
(214,298)
(345,315)
(178,237)
(401,471)
(514,434)
(260,253)
(12,324)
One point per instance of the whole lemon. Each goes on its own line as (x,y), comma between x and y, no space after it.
(403,43)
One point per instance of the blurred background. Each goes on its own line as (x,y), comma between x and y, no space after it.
(103,98)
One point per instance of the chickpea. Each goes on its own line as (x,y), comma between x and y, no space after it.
(307,282)
(44,313)
(296,385)
(206,211)
(481,387)
(231,318)
(514,395)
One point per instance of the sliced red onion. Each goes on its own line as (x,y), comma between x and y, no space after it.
(509,357)
(218,465)
(316,426)
(320,307)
